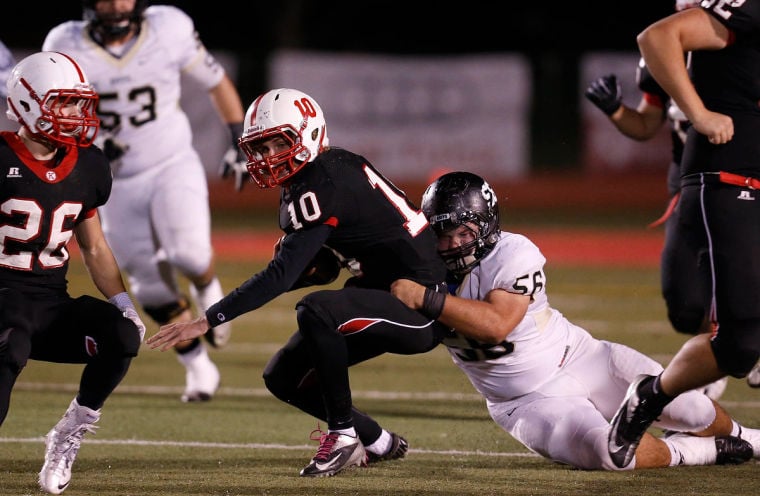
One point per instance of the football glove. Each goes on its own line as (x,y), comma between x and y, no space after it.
(123,302)
(112,147)
(606,94)
(132,315)
(233,161)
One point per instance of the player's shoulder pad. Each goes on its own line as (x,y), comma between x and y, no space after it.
(169,20)
(63,36)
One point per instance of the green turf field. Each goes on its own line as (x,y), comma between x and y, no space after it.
(244,442)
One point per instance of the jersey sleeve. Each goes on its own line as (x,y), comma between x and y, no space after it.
(6,65)
(61,37)
(743,18)
(186,46)
(520,259)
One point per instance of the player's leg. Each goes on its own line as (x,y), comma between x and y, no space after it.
(345,327)
(16,330)
(151,279)
(290,377)
(94,332)
(182,224)
(201,374)
(685,280)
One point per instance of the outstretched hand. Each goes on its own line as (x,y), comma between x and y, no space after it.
(169,335)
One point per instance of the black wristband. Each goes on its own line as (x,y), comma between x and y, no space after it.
(236,131)
(432,303)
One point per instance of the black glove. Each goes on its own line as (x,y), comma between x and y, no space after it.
(112,147)
(606,94)
(234,160)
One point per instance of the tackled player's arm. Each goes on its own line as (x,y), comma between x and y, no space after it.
(295,252)
(97,256)
(488,321)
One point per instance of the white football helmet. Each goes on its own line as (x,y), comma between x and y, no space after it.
(48,93)
(295,117)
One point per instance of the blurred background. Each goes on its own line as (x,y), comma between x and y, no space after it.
(419,87)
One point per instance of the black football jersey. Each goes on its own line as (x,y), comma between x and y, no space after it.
(39,208)
(728,81)
(375,225)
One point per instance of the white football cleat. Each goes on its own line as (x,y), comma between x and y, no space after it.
(201,375)
(62,445)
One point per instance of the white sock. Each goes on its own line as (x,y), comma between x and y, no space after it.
(382,445)
(208,295)
(348,432)
(197,353)
(691,450)
(750,435)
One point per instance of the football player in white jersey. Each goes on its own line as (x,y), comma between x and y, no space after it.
(6,64)
(157,220)
(547,382)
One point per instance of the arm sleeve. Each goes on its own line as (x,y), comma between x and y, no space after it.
(295,253)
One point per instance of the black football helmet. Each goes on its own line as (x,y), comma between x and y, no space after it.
(105,28)
(463,198)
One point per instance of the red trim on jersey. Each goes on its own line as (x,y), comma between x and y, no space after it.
(357,325)
(332,221)
(40,167)
(653,99)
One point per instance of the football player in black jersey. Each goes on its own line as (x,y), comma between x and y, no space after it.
(687,303)
(719,207)
(687,307)
(331,199)
(50,188)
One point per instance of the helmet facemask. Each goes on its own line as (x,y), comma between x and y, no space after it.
(285,129)
(462,259)
(269,171)
(61,123)
(49,95)
(114,26)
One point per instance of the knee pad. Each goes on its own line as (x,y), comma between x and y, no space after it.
(123,342)
(191,259)
(737,347)
(166,313)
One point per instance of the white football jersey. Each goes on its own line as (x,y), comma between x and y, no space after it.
(537,347)
(6,65)
(140,89)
